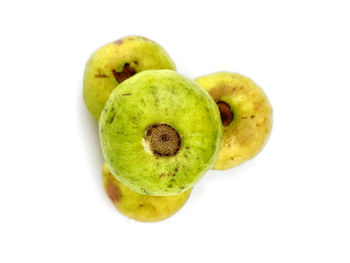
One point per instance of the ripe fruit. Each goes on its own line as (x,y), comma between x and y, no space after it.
(160,132)
(113,63)
(145,208)
(246,116)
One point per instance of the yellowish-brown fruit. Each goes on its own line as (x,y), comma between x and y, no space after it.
(144,208)
(246,116)
(115,62)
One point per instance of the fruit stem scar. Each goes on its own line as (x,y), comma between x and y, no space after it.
(162,140)
(226,113)
(126,73)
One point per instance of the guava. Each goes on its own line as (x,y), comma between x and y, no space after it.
(246,116)
(160,132)
(144,208)
(113,63)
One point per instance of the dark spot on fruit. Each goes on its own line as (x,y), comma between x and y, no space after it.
(234,89)
(119,41)
(101,75)
(112,119)
(232,158)
(170,185)
(244,117)
(126,94)
(141,205)
(161,175)
(182,187)
(136,62)
(252,117)
(113,192)
(176,169)
(187,147)
(126,73)
(226,113)
(185,155)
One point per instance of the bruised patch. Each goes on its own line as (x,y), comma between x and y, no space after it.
(119,41)
(113,192)
(126,73)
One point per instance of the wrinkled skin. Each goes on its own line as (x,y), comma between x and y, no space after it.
(160,97)
(247,134)
(111,64)
(144,208)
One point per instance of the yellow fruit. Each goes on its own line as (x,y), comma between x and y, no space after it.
(111,64)
(246,116)
(145,208)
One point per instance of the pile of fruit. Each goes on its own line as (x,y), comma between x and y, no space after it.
(160,131)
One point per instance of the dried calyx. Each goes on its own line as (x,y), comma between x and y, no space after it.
(162,139)
(226,113)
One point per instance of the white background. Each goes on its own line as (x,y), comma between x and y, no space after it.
(289,204)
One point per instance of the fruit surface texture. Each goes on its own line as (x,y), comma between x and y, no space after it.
(246,116)
(144,208)
(113,63)
(160,132)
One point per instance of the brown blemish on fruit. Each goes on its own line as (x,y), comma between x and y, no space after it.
(136,62)
(113,192)
(225,113)
(119,42)
(163,174)
(99,75)
(112,119)
(126,94)
(126,73)
(244,117)
(163,139)
(252,117)
(176,169)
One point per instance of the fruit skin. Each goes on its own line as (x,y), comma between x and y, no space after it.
(138,52)
(144,208)
(160,96)
(247,134)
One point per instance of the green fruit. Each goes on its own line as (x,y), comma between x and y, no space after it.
(160,132)
(145,208)
(113,63)
(246,116)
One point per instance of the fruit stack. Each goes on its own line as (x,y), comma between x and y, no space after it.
(160,131)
